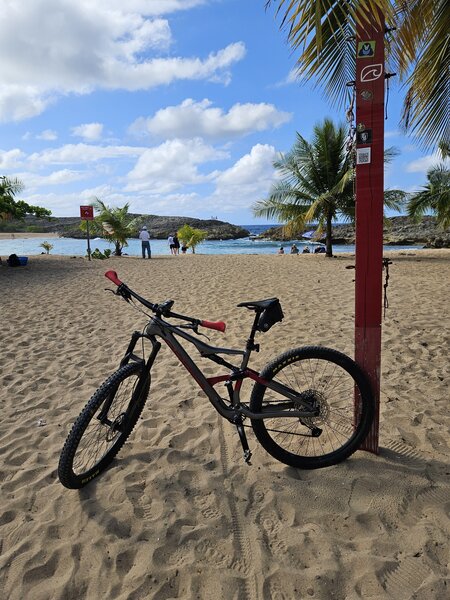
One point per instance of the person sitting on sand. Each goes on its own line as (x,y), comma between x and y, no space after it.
(294,249)
(281,250)
(306,250)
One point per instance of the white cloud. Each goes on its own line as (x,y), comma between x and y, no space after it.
(48,135)
(11,159)
(169,204)
(82,153)
(49,48)
(88,131)
(151,7)
(165,168)
(251,168)
(421,165)
(247,181)
(67,204)
(291,78)
(191,118)
(392,134)
(60,177)
(18,102)
(162,71)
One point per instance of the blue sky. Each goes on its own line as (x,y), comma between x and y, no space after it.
(178,107)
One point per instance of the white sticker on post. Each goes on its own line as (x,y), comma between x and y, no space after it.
(362,156)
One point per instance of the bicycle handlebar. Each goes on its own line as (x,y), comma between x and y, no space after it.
(112,275)
(160,308)
(218,325)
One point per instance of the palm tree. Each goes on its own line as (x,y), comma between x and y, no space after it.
(191,237)
(16,209)
(114,223)
(434,196)
(316,184)
(419,52)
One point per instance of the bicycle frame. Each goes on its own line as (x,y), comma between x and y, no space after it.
(233,412)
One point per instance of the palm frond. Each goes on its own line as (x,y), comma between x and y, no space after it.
(434,196)
(395,199)
(425,111)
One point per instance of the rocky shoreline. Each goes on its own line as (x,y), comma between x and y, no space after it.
(159,227)
(398,231)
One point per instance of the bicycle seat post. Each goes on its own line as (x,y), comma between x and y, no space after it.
(250,345)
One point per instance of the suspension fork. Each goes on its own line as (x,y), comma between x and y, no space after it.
(129,351)
(146,366)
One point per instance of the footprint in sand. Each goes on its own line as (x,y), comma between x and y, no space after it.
(403,581)
(206,506)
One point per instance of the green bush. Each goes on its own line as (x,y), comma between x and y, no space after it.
(101,255)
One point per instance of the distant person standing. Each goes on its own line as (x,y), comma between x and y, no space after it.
(144,236)
(171,244)
(176,243)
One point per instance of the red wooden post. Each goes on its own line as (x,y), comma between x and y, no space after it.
(370,77)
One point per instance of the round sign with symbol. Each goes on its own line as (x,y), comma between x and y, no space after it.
(87,213)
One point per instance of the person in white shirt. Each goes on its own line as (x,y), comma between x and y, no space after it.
(171,244)
(144,236)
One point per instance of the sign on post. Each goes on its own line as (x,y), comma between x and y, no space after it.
(87,214)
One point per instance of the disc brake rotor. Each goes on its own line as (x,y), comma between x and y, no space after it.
(318,401)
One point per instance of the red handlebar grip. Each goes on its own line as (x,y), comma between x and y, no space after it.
(219,325)
(112,275)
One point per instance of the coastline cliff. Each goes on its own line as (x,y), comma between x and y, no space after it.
(159,227)
(398,231)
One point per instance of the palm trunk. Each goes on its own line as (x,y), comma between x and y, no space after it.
(329,235)
(118,251)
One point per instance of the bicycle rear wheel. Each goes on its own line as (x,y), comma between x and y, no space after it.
(326,379)
(103,426)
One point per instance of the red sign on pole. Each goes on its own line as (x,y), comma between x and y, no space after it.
(87,213)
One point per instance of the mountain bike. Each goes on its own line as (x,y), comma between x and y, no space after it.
(310,407)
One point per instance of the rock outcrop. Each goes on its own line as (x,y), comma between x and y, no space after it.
(398,231)
(159,227)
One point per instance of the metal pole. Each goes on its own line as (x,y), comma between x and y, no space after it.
(370,78)
(88,241)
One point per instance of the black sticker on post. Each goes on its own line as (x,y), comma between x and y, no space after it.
(364,137)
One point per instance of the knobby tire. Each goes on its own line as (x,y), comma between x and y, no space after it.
(91,446)
(329,378)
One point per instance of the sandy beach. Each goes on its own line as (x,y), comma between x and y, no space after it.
(26,236)
(179,514)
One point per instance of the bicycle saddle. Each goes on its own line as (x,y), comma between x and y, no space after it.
(259,304)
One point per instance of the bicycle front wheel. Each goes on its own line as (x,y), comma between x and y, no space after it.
(327,380)
(103,426)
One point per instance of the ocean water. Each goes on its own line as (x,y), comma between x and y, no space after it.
(73,247)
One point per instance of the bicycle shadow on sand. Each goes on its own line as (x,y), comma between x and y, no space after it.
(398,476)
